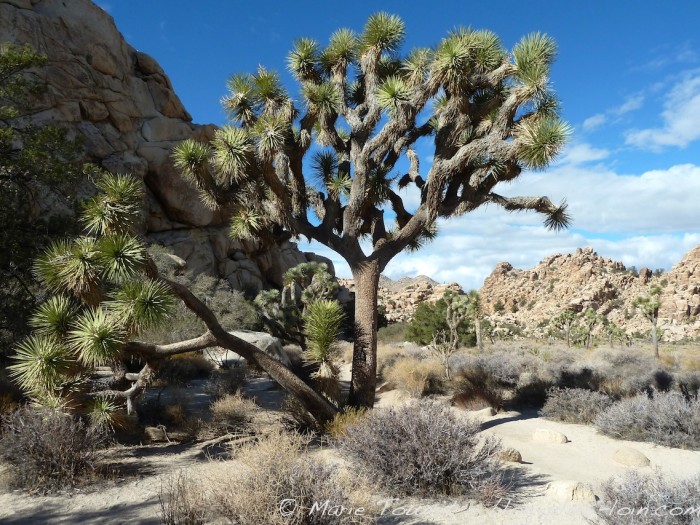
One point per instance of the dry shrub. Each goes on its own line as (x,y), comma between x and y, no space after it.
(688,384)
(665,419)
(277,471)
(419,377)
(574,405)
(343,420)
(233,413)
(227,381)
(423,449)
(475,389)
(182,501)
(635,498)
(49,451)
(183,368)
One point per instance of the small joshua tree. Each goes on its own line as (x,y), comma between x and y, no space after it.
(323,322)
(648,306)
(283,311)
(564,321)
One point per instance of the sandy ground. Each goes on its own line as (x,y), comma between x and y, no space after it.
(586,458)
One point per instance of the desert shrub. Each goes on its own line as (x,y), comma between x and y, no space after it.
(635,498)
(688,384)
(233,413)
(182,502)
(574,405)
(423,449)
(475,388)
(48,450)
(227,381)
(343,420)
(275,471)
(666,419)
(532,393)
(183,368)
(419,377)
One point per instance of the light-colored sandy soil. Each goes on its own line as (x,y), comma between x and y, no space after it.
(586,458)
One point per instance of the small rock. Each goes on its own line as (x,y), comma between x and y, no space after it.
(631,457)
(510,455)
(570,491)
(543,435)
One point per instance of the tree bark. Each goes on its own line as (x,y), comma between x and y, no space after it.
(364,356)
(477,330)
(655,338)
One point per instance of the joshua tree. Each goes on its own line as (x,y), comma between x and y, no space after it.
(282,312)
(107,291)
(456,313)
(325,169)
(589,320)
(323,321)
(475,311)
(564,321)
(648,306)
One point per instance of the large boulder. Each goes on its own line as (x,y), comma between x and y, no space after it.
(122,105)
(264,341)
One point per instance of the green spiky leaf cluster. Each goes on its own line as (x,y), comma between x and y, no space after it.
(141,305)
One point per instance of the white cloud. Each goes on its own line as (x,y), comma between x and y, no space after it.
(594,122)
(680,117)
(645,220)
(581,153)
(632,103)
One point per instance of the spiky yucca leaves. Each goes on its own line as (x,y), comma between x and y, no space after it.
(141,305)
(96,337)
(122,257)
(246,224)
(323,321)
(73,268)
(302,60)
(341,51)
(393,94)
(54,317)
(102,414)
(232,155)
(42,364)
(383,32)
(540,140)
(427,236)
(117,210)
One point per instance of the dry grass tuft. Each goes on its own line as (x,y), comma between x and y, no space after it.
(419,377)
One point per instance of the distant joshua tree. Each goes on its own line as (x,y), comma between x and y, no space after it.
(648,306)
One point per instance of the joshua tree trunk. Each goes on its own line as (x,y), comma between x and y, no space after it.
(477,330)
(364,359)
(655,337)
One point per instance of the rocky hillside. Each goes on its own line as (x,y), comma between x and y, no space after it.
(122,104)
(401,297)
(577,281)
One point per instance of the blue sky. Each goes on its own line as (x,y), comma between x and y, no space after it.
(627,73)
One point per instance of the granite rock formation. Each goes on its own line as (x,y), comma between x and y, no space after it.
(122,104)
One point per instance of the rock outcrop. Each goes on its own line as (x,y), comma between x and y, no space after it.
(399,299)
(122,104)
(577,281)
